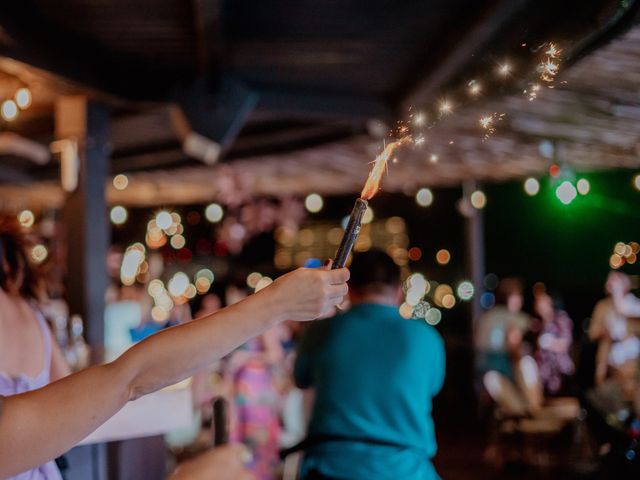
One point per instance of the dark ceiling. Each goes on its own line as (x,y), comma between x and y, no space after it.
(272,76)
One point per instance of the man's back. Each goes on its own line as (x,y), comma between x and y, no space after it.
(375,374)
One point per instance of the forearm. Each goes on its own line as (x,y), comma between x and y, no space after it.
(40,425)
(176,353)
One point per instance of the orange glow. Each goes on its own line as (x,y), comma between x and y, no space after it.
(379,165)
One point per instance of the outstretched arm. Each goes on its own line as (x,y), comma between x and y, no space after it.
(40,425)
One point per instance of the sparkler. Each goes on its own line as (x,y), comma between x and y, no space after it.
(371,187)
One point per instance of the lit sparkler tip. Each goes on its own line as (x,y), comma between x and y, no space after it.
(419,119)
(433,158)
(375,176)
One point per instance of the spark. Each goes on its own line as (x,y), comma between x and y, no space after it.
(474,88)
(487,122)
(550,64)
(445,107)
(419,140)
(504,69)
(419,119)
(553,51)
(433,158)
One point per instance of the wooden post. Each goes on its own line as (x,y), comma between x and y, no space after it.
(85,125)
(82,130)
(475,250)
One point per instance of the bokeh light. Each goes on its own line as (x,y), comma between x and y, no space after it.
(433,316)
(263,283)
(313,203)
(531,186)
(253,279)
(465,290)
(491,281)
(9,110)
(424,197)
(178,284)
(164,220)
(368,216)
(23,97)
(26,218)
(487,300)
(636,181)
(443,256)
(118,215)
(478,199)
(120,181)
(214,212)
(583,186)
(39,253)
(566,192)
(448,301)
(178,241)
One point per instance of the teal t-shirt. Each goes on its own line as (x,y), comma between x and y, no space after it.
(374,375)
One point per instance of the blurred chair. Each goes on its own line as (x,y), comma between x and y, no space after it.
(528,381)
(519,432)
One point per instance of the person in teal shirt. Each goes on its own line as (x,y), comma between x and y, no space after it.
(375,375)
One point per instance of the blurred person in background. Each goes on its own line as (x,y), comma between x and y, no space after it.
(555,337)
(255,400)
(618,346)
(29,357)
(499,332)
(374,375)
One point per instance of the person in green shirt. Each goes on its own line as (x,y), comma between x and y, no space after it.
(375,375)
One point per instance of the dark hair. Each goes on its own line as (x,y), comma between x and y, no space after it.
(506,288)
(16,271)
(373,269)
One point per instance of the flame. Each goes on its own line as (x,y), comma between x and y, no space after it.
(375,176)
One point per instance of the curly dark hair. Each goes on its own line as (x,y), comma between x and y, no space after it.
(17,273)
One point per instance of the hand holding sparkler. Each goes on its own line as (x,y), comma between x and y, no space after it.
(309,293)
